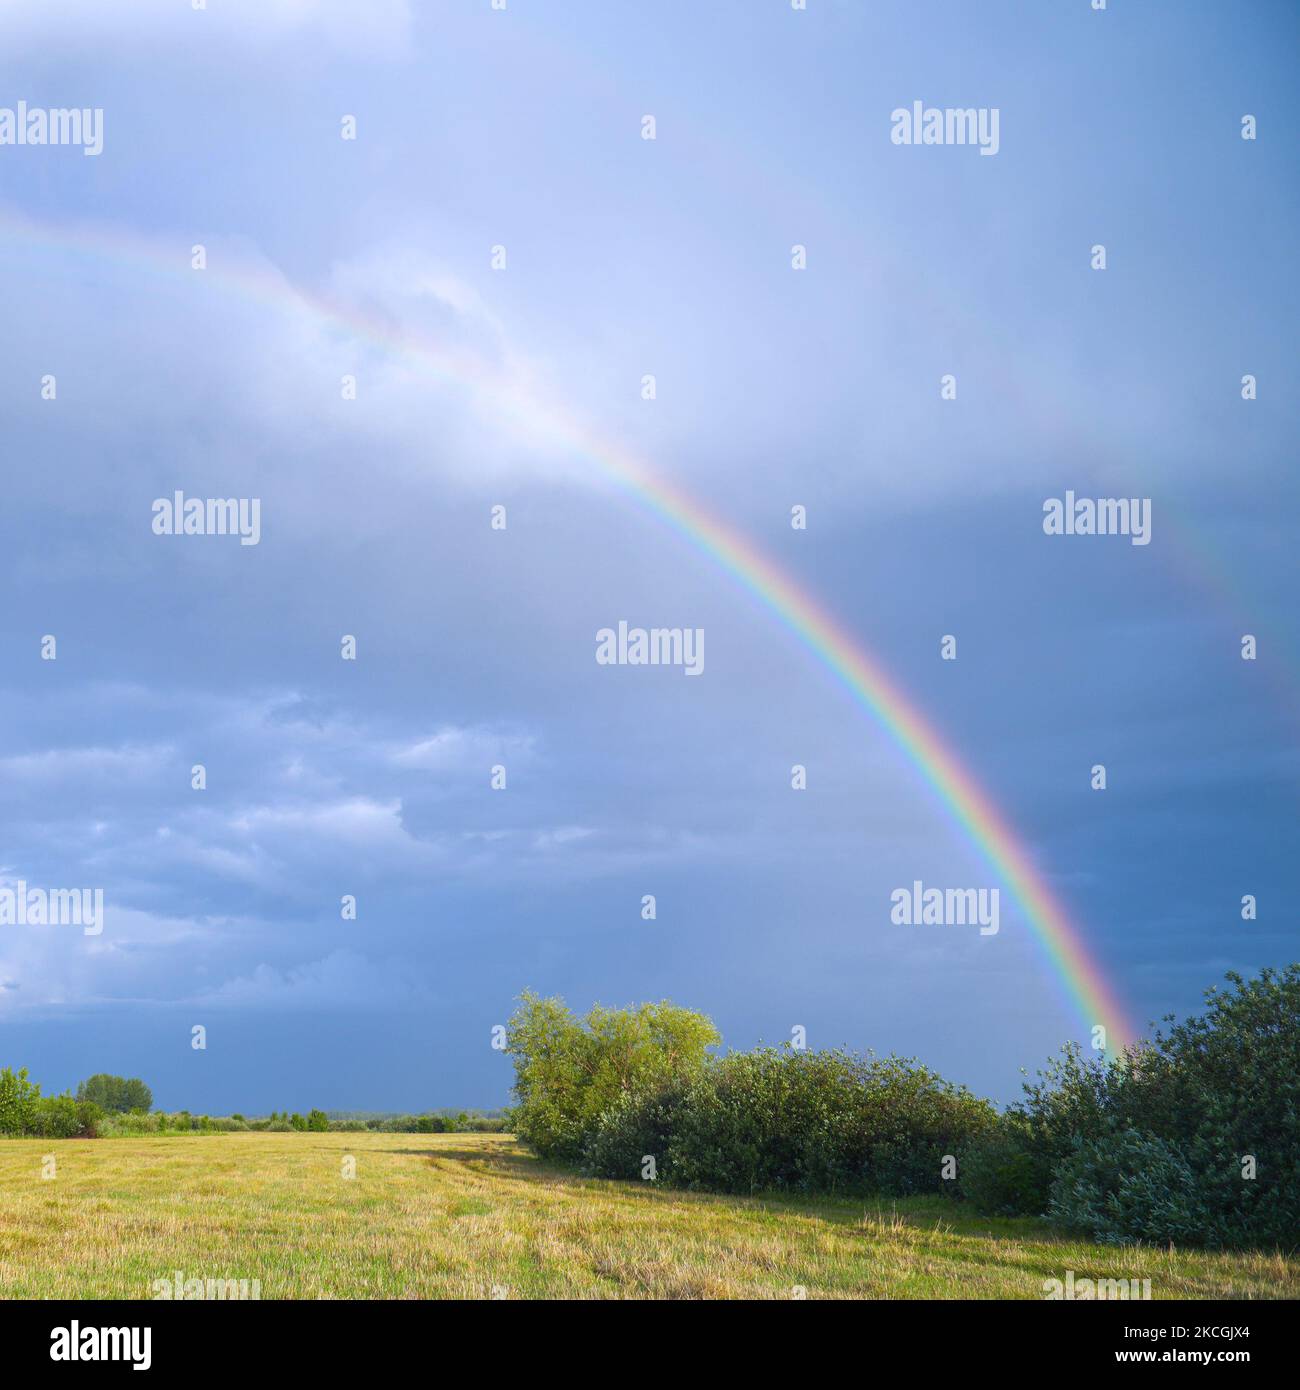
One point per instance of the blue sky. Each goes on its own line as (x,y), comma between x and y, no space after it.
(774,387)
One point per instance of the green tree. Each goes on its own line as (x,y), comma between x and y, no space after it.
(116,1093)
(569,1070)
(318,1121)
(102,1090)
(18,1098)
(137,1095)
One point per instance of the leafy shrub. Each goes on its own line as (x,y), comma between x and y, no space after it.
(414,1124)
(1129,1188)
(62,1117)
(318,1121)
(1076,1098)
(1000,1172)
(569,1071)
(634,1126)
(1225,1087)
(779,1118)
(1221,1089)
(112,1127)
(18,1097)
(784,1119)
(484,1124)
(180,1122)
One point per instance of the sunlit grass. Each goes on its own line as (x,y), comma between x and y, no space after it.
(476,1216)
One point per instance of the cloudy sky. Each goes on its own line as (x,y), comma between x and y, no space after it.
(373,258)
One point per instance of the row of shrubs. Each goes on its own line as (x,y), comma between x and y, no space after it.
(315,1121)
(139,1122)
(781,1119)
(441,1123)
(1191,1138)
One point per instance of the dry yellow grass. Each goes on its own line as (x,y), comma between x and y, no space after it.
(476,1216)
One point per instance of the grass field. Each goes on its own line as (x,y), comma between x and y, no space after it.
(476,1216)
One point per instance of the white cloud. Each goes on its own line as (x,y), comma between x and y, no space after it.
(375,28)
(562,835)
(341,980)
(128,762)
(360,821)
(136,958)
(463,749)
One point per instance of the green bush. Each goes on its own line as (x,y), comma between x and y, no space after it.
(781,1118)
(633,1127)
(1225,1087)
(569,1071)
(485,1124)
(1221,1090)
(414,1124)
(1002,1174)
(1075,1098)
(62,1117)
(181,1122)
(18,1097)
(318,1121)
(1129,1188)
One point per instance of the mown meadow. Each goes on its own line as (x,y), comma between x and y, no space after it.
(473,1216)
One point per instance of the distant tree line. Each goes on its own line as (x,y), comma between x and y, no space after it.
(287,1122)
(113,1106)
(1192,1137)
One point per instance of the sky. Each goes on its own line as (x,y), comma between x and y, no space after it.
(518,134)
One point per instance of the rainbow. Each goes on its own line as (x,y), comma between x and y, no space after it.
(967,805)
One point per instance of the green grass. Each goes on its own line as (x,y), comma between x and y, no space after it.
(477,1216)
